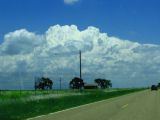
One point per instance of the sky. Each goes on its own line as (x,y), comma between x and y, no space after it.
(119,41)
(136,20)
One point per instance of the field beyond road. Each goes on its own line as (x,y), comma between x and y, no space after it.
(18,108)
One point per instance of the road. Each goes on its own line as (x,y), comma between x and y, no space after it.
(144,105)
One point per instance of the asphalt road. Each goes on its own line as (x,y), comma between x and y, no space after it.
(144,105)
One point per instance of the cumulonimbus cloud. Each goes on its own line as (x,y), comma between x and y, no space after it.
(55,52)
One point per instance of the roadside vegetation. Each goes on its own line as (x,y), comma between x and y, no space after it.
(19,105)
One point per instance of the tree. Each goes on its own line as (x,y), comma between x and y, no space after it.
(76,83)
(43,83)
(103,83)
(158,85)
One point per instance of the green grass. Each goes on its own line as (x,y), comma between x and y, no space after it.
(21,109)
(17,94)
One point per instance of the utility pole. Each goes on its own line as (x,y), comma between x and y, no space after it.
(60,83)
(20,82)
(35,87)
(80,64)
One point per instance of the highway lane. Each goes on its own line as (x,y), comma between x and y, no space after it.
(144,105)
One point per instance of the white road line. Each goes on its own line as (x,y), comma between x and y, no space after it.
(124,106)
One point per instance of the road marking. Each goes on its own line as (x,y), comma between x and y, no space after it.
(124,106)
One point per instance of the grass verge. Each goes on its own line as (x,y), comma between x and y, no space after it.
(22,110)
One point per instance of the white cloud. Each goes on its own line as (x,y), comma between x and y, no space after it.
(70,2)
(20,42)
(126,63)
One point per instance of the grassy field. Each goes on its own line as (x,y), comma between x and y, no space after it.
(19,105)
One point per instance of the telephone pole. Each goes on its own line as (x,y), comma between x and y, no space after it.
(60,83)
(80,65)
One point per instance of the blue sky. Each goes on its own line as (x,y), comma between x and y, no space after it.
(136,20)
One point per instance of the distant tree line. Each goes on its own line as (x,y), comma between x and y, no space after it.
(44,83)
(77,83)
